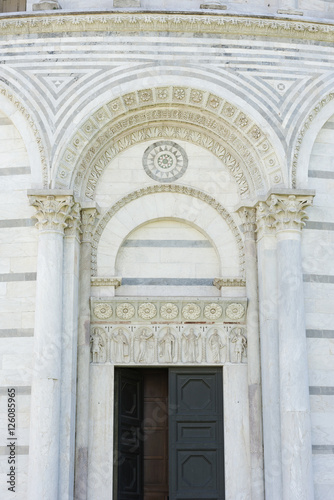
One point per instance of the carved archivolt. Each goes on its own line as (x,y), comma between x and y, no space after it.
(173,22)
(173,112)
(147,338)
(306,125)
(166,188)
(34,129)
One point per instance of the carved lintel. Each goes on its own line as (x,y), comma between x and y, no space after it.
(53,211)
(224,282)
(116,282)
(88,220)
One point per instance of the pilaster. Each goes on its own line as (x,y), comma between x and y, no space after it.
(88,218)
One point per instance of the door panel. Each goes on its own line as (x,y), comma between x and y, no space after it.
(129,475)
(196,434)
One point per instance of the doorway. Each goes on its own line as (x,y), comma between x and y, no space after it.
(168,434)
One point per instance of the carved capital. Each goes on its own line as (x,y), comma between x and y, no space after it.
(53,211)
(248,218)
(264,220)
(73,224)
(88,219)
(288,211)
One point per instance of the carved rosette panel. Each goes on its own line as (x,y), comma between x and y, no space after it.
(163,331)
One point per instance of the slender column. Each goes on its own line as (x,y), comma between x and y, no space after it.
(88,216)
(53,208)
(247,216)
(267,275)
(69,355)
(289,213)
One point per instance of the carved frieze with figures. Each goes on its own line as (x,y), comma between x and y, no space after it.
(167,332)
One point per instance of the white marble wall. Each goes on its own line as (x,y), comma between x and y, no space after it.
(318,245)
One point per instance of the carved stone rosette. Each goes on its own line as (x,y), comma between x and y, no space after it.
(53,211)
(165,331)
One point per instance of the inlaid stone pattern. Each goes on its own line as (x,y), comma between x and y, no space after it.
(165,161)
(164,344)
(168,310)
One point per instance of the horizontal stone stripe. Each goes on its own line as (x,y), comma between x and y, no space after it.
(321,391)
(322,174)
(318,278)
(16,223)
(16,332)
(320,334)
(168,243)
(326,226)
(6,277)
(15,171)
(19,450)
(20,390)
(322,449)
(168,281)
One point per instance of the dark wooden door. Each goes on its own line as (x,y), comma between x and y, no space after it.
(155,434)
(128,421)
(196,434)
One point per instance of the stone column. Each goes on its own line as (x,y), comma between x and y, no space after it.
(288,211)
(267,281)
(53,211)
(69,354)
(88,216)
(247,216)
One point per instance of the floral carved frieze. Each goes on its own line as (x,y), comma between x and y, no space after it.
(167,310)
(161,344)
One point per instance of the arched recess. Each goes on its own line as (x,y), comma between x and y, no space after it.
(309,131)
(168,201)
(170,112)
(26,126)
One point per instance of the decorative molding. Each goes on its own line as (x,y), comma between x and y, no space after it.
(167,310)
(166,188)
(165,161)
(14,99)
(228,282)
(192,115)
(306,125)
(134,22)
(116,282)
(53,211)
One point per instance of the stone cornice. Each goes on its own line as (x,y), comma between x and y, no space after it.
(176,22)
(110,281)
(228,282)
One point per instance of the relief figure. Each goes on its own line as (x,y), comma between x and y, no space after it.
(216,344)
(167,346)
(97,345)
(240,342)
(120,345)
(191,345)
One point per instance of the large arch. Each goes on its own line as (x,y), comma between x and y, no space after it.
(190,114)
(207,215)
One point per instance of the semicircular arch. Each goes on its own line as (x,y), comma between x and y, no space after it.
(168,201)
(170,112)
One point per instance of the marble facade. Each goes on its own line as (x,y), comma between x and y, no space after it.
(166,200)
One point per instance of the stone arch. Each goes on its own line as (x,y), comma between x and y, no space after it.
(170,112)
(169,200)
(306,138)
(31,136)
